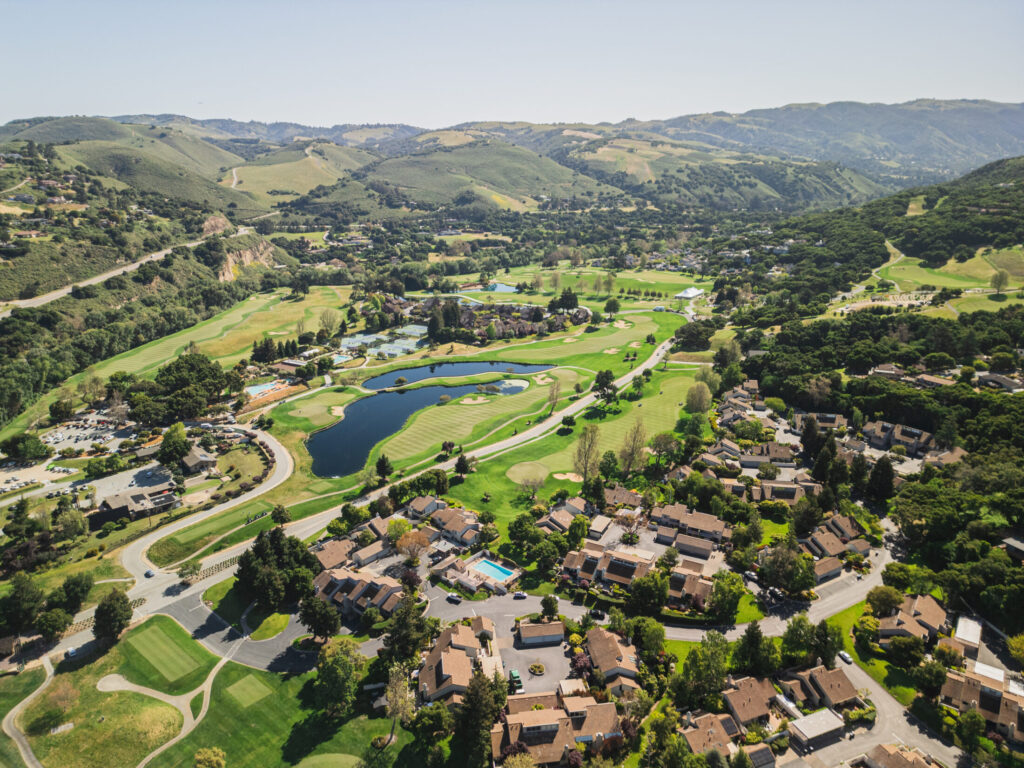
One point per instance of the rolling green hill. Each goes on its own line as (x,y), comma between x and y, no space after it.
(55,130)
(489,171)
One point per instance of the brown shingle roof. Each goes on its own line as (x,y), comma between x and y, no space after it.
(748,699)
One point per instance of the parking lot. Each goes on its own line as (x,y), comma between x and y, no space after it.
(82,434)
(553,657)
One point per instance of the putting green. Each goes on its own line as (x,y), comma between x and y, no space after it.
(249,690)
(527,469)
(166,656)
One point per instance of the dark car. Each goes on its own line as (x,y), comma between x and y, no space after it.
(597,613)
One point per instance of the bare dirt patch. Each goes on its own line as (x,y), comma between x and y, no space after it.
(635,344)
(569,340)
(570,476)
(474,400)
(542,379)
(622,324)
(611,350)
(338,410)
(215,224)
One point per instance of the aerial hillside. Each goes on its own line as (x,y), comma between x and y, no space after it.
(693,174)
(460,169)
(286,173)
(56,130)
(920,141)
(347,134)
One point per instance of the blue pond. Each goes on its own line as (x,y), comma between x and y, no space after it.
(343,448)
(450,369)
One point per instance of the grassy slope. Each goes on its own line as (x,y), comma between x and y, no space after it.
(110,728)
(296,171)
(892,678)
(14,688)
(280,729)
(553,454)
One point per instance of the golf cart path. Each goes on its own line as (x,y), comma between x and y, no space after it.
(11,728)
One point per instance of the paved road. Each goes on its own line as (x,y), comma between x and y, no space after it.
(8,725)
(46,298)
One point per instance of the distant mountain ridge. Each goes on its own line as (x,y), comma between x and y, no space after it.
(796,157)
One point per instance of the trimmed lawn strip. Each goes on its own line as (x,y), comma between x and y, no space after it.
(162,655)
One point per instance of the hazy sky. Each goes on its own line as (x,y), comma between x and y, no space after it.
(438,62)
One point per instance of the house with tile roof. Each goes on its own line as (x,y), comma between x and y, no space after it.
(353,591)
(749,699)
(711,732)
(616,659)
(920,616)
(550,734)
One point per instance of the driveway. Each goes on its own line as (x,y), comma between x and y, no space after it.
(553,657)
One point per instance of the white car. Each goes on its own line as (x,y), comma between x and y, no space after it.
(846,657)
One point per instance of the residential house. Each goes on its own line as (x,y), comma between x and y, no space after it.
(618,497)
(556,521)
(692,545)
(968,634)
(448,667)
(827,568)
(616,659)
(826,421)
(482,627)
(726,449)
(748,699)
(353,591)
(844,526)
(761,755)
(333,553)
(423,506)
(779,454)
(986,690)
(888,371)
(599,526)
(711,732)
(544,633)
(687,586)
(577,505)
(860,547)
(998,381)
(883,435)
(832,687)
(550,734)
(198,460)
(458,525)
(371,553)
(824,543)
(944,458)
(920,616)
(896,756)
(816,729)
(927,381)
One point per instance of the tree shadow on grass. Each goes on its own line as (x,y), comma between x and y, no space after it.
(309,733)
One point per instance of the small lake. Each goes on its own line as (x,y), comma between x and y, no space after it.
(411,375)
(343,448)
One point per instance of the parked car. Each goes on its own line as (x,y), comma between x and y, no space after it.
(597,613)
(454,597)
(149,574)
(519,596)
(515,681)
(846,657)
(70,653)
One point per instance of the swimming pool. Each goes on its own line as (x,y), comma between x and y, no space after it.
(258,389)
(492,569)
(339,359)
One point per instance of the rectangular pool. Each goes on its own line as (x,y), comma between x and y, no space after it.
(258,389)
(492,569)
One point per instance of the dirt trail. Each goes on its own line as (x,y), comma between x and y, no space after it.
(234,178)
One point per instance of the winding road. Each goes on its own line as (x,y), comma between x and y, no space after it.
(163,593)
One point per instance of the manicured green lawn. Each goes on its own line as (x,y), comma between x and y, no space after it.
(110,729)
(895,680)
(748,610)
(263,720)
(14,688)
(772,530)
(162,655)
(269,626)
(226,601)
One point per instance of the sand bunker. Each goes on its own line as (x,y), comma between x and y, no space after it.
(611,350)
(569,340)
(542,379)
(278,333)
(474,400)
(571,476)
(635,344)
(622,324)
(338,410)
